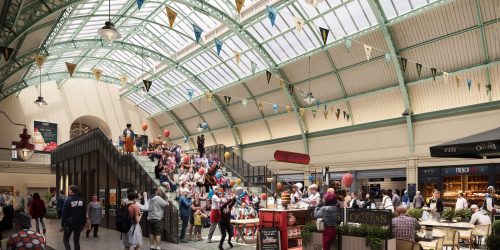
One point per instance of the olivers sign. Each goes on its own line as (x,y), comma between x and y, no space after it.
(369,216)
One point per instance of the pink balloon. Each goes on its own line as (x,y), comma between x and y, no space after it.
(166,133)
(347,179)
(144,126)
(264,197)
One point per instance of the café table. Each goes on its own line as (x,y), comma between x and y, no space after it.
(452,225)
(238,224)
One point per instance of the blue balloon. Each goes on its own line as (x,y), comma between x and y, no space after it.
(204,125)
(311,178)
(210,194)
(186,139)
(218,175)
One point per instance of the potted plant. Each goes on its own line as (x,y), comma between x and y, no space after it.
(492,242)
(448,214)
(495,228)
(415,213)
(463,215)
(368,237)
(307,232)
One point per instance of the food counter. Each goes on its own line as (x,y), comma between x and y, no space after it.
(289,223)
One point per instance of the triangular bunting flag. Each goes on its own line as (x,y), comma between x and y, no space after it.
(7,52)
(39,59)
(419,69)
(288,109)
(148,83)
(237,57)
(404,61)
(479,87)
(324,34)
(325,113)
(208,95)
(337,114)
(268,76)
(457,80)
(314,113)
(301,111)
(259,105)
(271,14)
(299,23)
(227,99)
(239,5)
(445,77)
(97,73)
(348,43)
(190,93)
(197,32)
(281,82)
(275,108)
(348,116)
(123,79)
(171,14)
(368,51)
(139,3)
(254,67)
(218,46)
(469,83)
(433,73)
(71,68)
(387,57)
(345,114)
(488,88)
(290,88)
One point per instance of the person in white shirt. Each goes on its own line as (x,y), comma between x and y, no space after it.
(215,213)
(386,201)
(479,217)
(461,201)
(296,193)
(314,197)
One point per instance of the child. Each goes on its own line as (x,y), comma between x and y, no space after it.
(164,180)
(198,223)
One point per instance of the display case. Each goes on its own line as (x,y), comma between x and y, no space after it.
(473,186)
(289,222)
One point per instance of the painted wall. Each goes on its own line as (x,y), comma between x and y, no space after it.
(76,98)
(39,178)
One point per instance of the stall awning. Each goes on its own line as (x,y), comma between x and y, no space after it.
(485,144)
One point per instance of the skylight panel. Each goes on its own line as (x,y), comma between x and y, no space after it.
(389,8)
(402,7)
(358,15)
(135,98)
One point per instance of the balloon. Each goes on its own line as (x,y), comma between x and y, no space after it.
(231,183)
(186,159)
(204,125)
(347,179)
(311,178)
(238,181)
(144,126)
(227,155)
(279,186)
(264,196)
(166,133)
(186,139)
(210,194)
(201,171)
(218,175)
(238,191)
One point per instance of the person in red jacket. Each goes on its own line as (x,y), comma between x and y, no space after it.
(37,212)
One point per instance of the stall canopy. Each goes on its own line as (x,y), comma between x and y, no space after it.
(485,144)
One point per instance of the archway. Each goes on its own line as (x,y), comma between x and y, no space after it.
(85,124)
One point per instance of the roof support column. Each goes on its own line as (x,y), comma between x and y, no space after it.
(382,20)
(484,46)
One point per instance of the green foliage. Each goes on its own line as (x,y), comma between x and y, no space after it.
(495,228)
(463,214)
(46,198)
(415,213)
(492,242)
(51,213)
(448,214)
(375,235)
(307,231)
(374,243)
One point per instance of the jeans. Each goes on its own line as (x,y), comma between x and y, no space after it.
(213,226)
(39,221)
(225,227)
(95,227)
(185,221)
(76,237)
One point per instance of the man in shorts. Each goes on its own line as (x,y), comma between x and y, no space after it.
(155,218)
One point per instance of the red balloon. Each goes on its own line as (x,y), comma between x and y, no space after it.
(166,133)
(144,126)
(279,186)
(347,179)
(201,171)
(186,159)
(264,196)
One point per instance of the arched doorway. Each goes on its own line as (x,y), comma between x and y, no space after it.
(85,124)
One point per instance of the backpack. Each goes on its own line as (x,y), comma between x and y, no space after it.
(123,219)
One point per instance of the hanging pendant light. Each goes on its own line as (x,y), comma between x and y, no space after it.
(108,31)
(40,102)
(309,99)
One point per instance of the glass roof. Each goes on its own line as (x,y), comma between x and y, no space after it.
(148,28)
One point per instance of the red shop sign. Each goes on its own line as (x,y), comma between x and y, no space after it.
(291,157)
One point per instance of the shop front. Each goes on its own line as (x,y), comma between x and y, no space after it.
(473,180)
(375,181)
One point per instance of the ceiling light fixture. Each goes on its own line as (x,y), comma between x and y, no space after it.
(40,102)
(309,99)
(24,148)
(108,31)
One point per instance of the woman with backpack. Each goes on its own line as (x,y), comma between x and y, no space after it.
(328,213)
(130,214)
(37,212)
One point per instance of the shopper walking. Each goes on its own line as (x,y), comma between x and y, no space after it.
(73,217)
(185,212)
(214,212)
(37,212)
(225,221)
(405,200)
(156,213)
(18,202)
(396,200)
(94,214)
(329,214)
(461,201)
(133,238)
(418,200)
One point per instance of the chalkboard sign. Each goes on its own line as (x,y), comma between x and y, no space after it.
(369,216)
(269,239)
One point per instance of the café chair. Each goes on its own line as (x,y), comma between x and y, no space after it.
(466,235)
(481,231)
(451,238)
(402,244)
(433,245)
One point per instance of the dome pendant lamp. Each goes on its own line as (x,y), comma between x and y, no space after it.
(40,102)
(309,99)
(108,31)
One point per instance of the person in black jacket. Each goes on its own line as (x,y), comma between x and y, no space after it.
(225,221)
(73,217)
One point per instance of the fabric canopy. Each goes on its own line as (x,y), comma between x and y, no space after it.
(485,144)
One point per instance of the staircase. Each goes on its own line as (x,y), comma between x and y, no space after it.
(127,168)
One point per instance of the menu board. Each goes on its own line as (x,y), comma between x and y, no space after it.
(45,136)
(269,239)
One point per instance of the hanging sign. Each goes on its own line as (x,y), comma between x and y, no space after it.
(291,157)
(45,136)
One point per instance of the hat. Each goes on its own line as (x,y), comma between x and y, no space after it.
(474,207)
(23,219)
(330,197)
(298,185)
(313,186)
